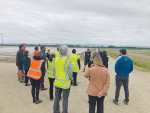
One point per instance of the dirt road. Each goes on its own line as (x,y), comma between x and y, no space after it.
(16,98)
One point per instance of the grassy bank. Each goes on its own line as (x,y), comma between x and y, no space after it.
(140,63)
(7,60)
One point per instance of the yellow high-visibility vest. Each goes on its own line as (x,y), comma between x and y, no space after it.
(60,66)
(74,61)
(56,53)
(50,70)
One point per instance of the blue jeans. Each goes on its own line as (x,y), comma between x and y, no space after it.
(92,104)
(42,80)
(35,85)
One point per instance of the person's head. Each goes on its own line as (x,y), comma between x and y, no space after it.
(36,48)
(48,51)
(24,45)
(53,54)
(88,50)
(98,61)
(123,52)
(58,48)
(63,49)
(95,54)
(99,50)
(43,48)
(21,47)
(39,54)
(26,53)
(74,51)
(104,54)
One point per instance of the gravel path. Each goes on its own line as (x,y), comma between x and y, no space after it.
(16,98)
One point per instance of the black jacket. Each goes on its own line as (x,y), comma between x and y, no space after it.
(105,61)
(43,64)
(19,57)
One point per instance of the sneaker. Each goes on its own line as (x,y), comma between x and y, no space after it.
(114,101)
(22,81)
(75,84)
(83,70)
(34,100)
(125,102)
(38,101)
(43,89)
(27,84)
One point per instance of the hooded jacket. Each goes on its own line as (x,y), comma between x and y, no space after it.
(124,66)
(43,64)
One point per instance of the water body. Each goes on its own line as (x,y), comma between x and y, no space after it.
(9,52)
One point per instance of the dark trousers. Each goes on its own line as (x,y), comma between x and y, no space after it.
(35,85)
(51,81)
(26,78)
(58,97)
(42,80)
(119,81)
(92,104)
(75,77)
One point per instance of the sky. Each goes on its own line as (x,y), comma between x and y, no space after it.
(109,22)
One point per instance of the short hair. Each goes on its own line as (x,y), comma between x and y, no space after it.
(39,54)
(73,51)
(58,48)
(26,53)
(123,51)
(52,54)
(95,54)
(36,48)
(98,61)
(88,49)
(104,54)
(63,49)
(42,47)
(48,50)
(20,46)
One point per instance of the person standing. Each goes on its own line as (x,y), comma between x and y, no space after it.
(19,63)
(35,51)
(123,67)
(36,71)
(99,51)
(105,59)
(119,56)
(75,61)
(48,54)
(63,77)
(26,64)
(50,74)
(98,85)
(87,57)
(43,49)
(57,52)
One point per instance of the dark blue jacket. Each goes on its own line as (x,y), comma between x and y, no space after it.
(124,66)
(26,62)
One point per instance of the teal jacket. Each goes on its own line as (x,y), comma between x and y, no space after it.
(26,62)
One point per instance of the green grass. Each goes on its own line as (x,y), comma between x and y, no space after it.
(7,60)
(140,63)
(142,52)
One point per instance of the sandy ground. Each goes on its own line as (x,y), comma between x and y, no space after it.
(16,98)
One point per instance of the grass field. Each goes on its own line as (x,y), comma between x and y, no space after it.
(140,63)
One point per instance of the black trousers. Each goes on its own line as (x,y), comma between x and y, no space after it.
(35,85)
(92,104)
(74,78)
(26,78)
(119,81)
(51,81)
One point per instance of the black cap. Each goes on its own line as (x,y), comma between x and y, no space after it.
(20,46)
(73,51)
(123,51)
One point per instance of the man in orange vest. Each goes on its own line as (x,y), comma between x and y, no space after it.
(36,70)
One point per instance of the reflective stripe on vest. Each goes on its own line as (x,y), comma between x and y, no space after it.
(76,61)
(63,86)
(35,69)
(64,71)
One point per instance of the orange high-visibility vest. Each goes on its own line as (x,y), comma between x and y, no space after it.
(35,69)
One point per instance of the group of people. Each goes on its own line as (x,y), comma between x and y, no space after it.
(63,70)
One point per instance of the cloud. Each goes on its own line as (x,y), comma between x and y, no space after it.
(76,22)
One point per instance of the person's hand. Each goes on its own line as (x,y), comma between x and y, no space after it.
(92,65)
(99,95)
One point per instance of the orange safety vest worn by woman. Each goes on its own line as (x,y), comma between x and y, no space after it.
(35,69)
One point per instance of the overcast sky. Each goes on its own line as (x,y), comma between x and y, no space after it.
(111,22)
